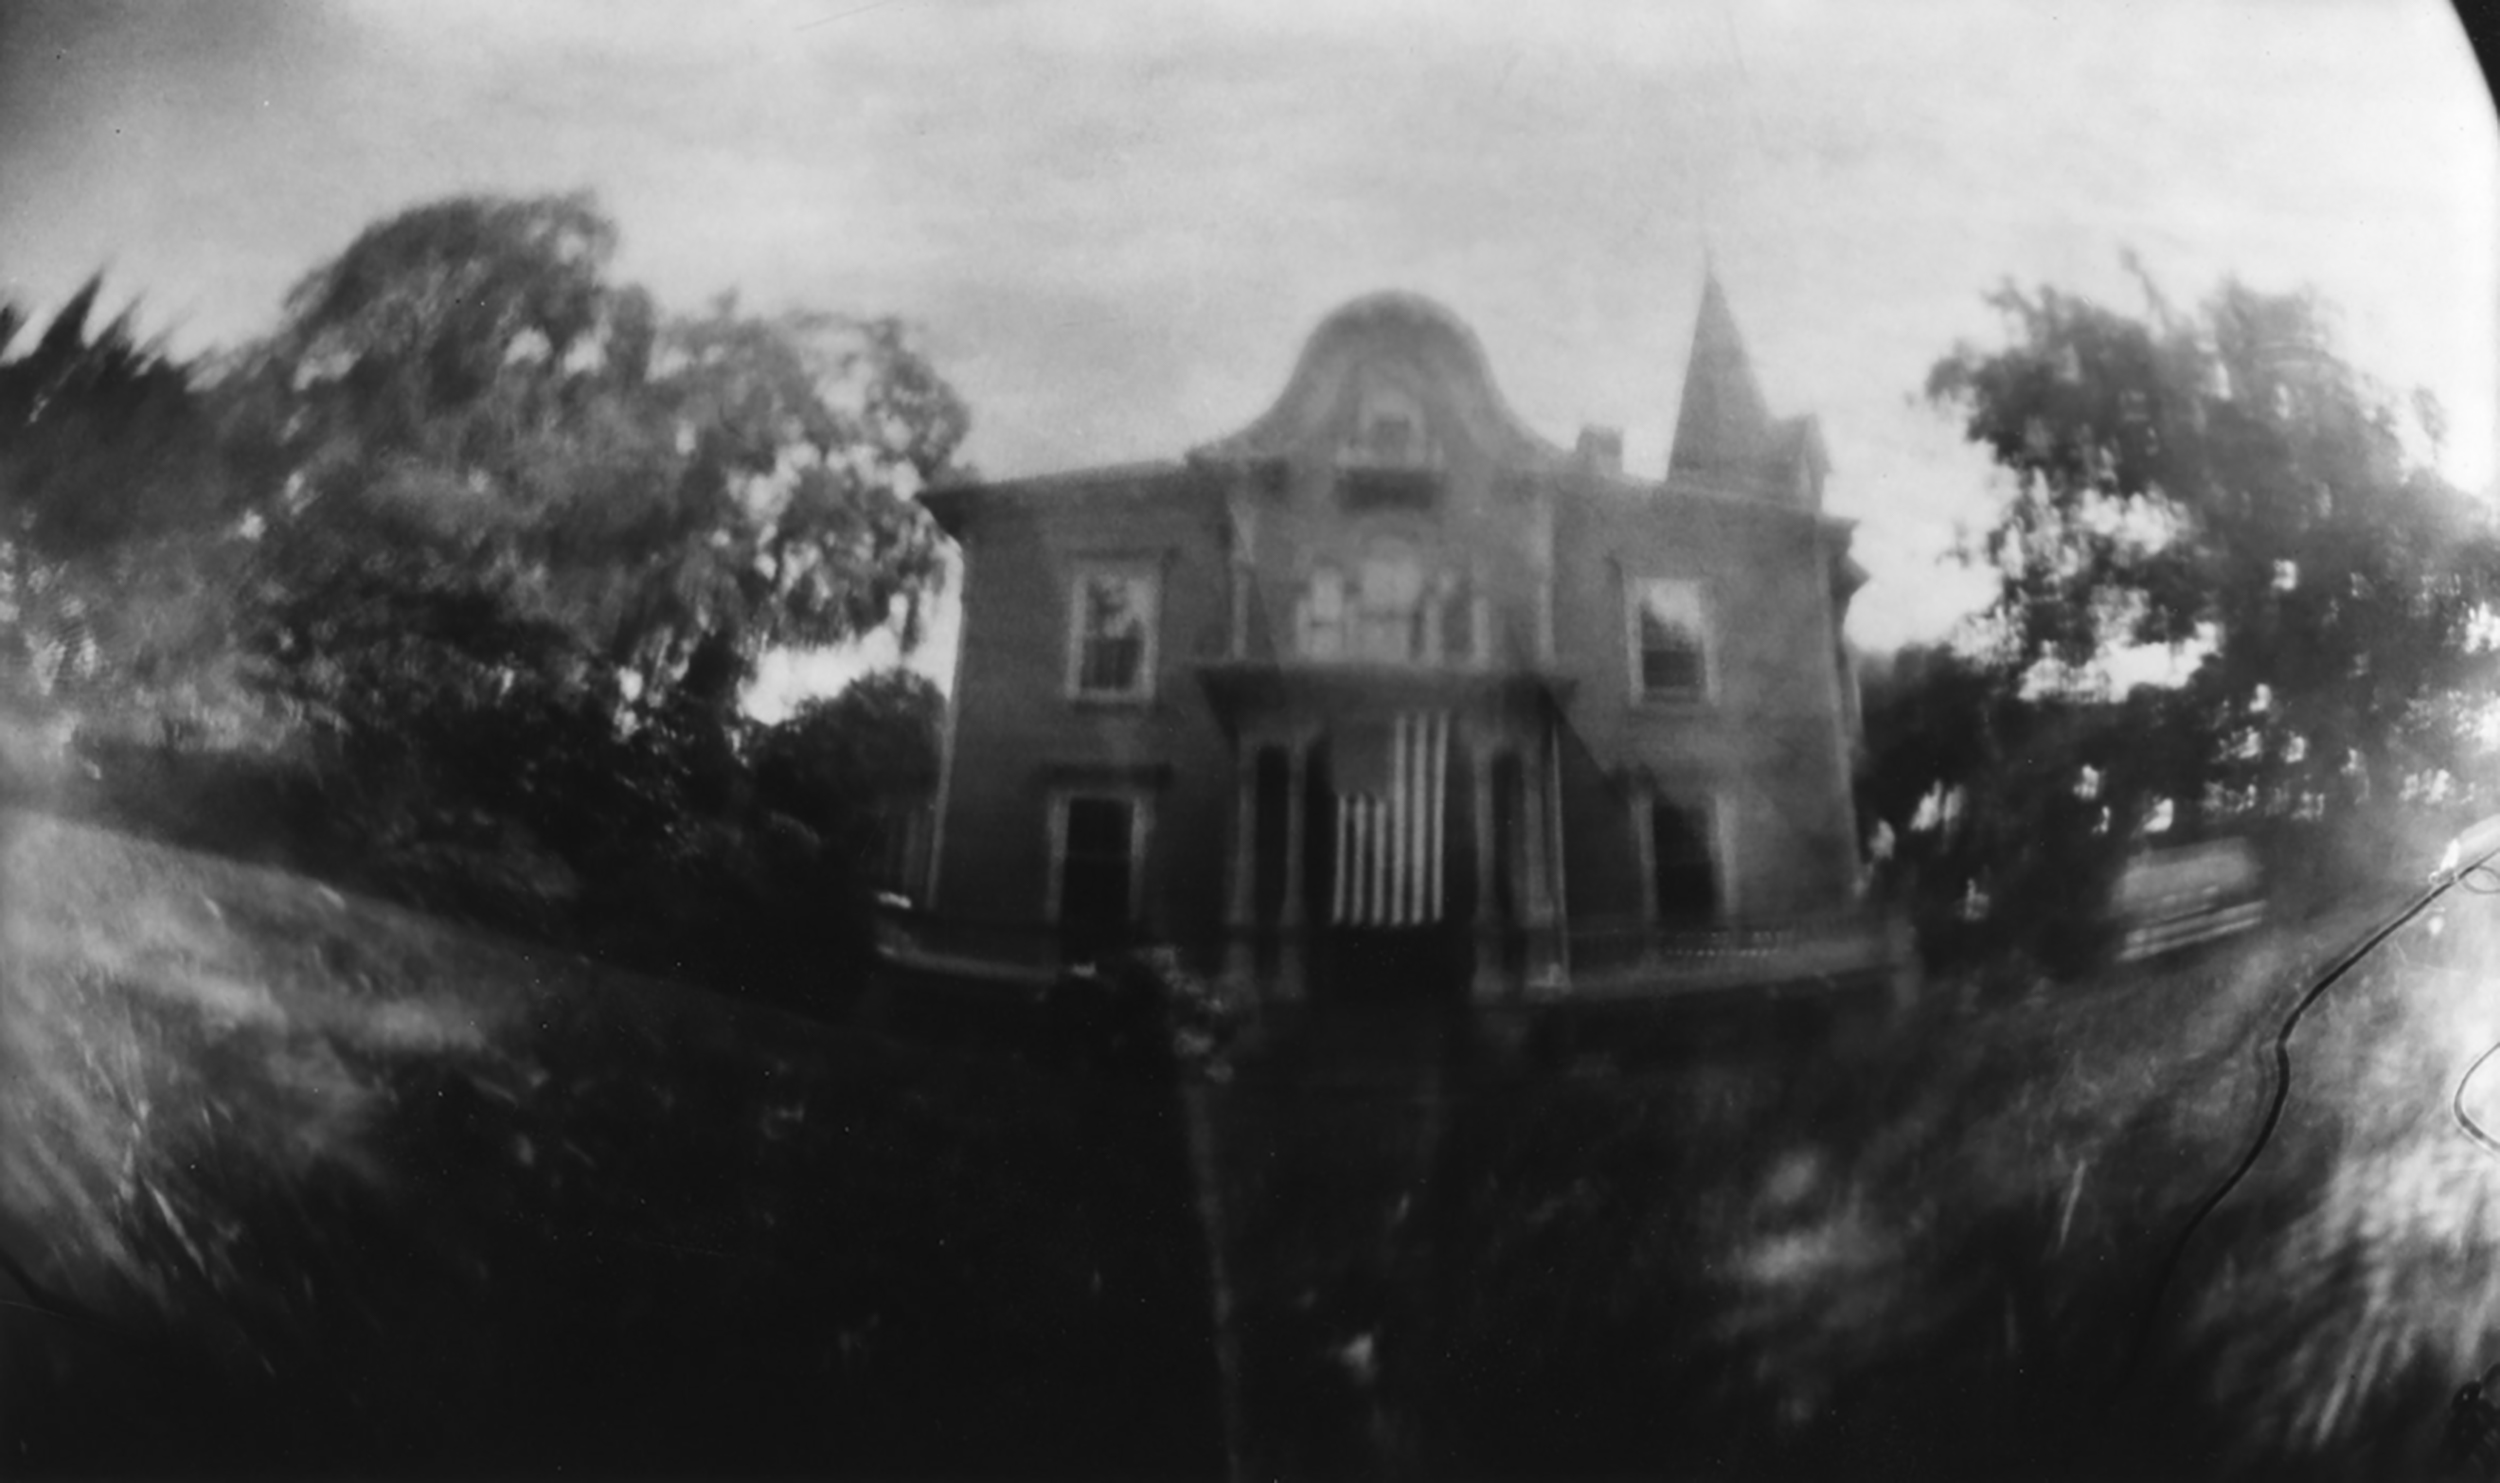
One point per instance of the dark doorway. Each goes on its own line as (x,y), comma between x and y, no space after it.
(1684,877)
(1509,811)
(1273,809)
(1097,875)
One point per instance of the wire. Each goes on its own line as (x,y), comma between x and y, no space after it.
(2274,1108)
(39,1301)
(2466,1121)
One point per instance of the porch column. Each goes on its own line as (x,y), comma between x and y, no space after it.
(1291,927)
(1488,985)
(1541,919)
(1541,561)
(1243,565)
(1241,909)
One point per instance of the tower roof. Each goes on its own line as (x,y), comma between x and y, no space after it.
(1723,426)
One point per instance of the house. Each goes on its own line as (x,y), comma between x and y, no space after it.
(1387,692)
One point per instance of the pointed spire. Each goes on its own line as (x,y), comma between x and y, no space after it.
(1723,426)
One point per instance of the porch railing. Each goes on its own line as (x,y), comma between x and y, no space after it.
(1644,957)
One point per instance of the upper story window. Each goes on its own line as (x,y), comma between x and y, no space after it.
(1670,630)
(1390,609)
(1389,615)
(1111,637)
(1323,615)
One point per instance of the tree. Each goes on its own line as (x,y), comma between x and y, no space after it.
(845,767)
(113,500)
(488,449)
(525,538)
(2222,482)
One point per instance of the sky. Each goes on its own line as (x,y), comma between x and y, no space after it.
(1114,221)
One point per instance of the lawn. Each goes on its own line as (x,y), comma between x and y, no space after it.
(325,1186)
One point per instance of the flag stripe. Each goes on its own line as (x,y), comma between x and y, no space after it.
(1336,875)
(1396,820)
(1440,810)
(1421,732)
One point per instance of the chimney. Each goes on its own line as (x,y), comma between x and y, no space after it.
(1601,449)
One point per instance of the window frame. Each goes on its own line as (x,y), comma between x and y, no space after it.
(1308,622)
(1140,804)
(1635,592)
(1083,572)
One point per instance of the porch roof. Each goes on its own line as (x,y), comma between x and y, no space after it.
(1242,687)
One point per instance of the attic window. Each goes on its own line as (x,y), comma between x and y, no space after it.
(1388,459)
(1390,438)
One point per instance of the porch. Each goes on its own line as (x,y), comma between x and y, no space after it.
(1606,962)
(1395,831)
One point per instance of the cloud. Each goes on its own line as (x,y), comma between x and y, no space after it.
(1116,219)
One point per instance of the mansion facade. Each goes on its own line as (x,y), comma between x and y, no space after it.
(1386,691)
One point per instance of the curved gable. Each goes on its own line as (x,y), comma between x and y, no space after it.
(1379,359)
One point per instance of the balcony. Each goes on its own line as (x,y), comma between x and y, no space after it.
(1338,687)
(1366,487)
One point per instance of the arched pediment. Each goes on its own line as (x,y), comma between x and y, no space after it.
(1395,379)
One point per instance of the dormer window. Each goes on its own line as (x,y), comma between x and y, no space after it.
(1390,439)
(1388,459)
(1389,428)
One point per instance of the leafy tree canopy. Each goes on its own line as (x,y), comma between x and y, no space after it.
(112,496)
(486,444)
(2220,482)
(874,743)
(2221,479)
(97,432)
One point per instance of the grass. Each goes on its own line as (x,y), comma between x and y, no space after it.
(357,1192)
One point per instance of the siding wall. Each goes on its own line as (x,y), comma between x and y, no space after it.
(1770,744)
(1018,735)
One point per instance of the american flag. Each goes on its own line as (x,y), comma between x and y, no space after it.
(1389,823)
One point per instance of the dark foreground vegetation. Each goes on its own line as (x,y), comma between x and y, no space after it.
(1740,1245)
(333,1188)
(347,1191)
